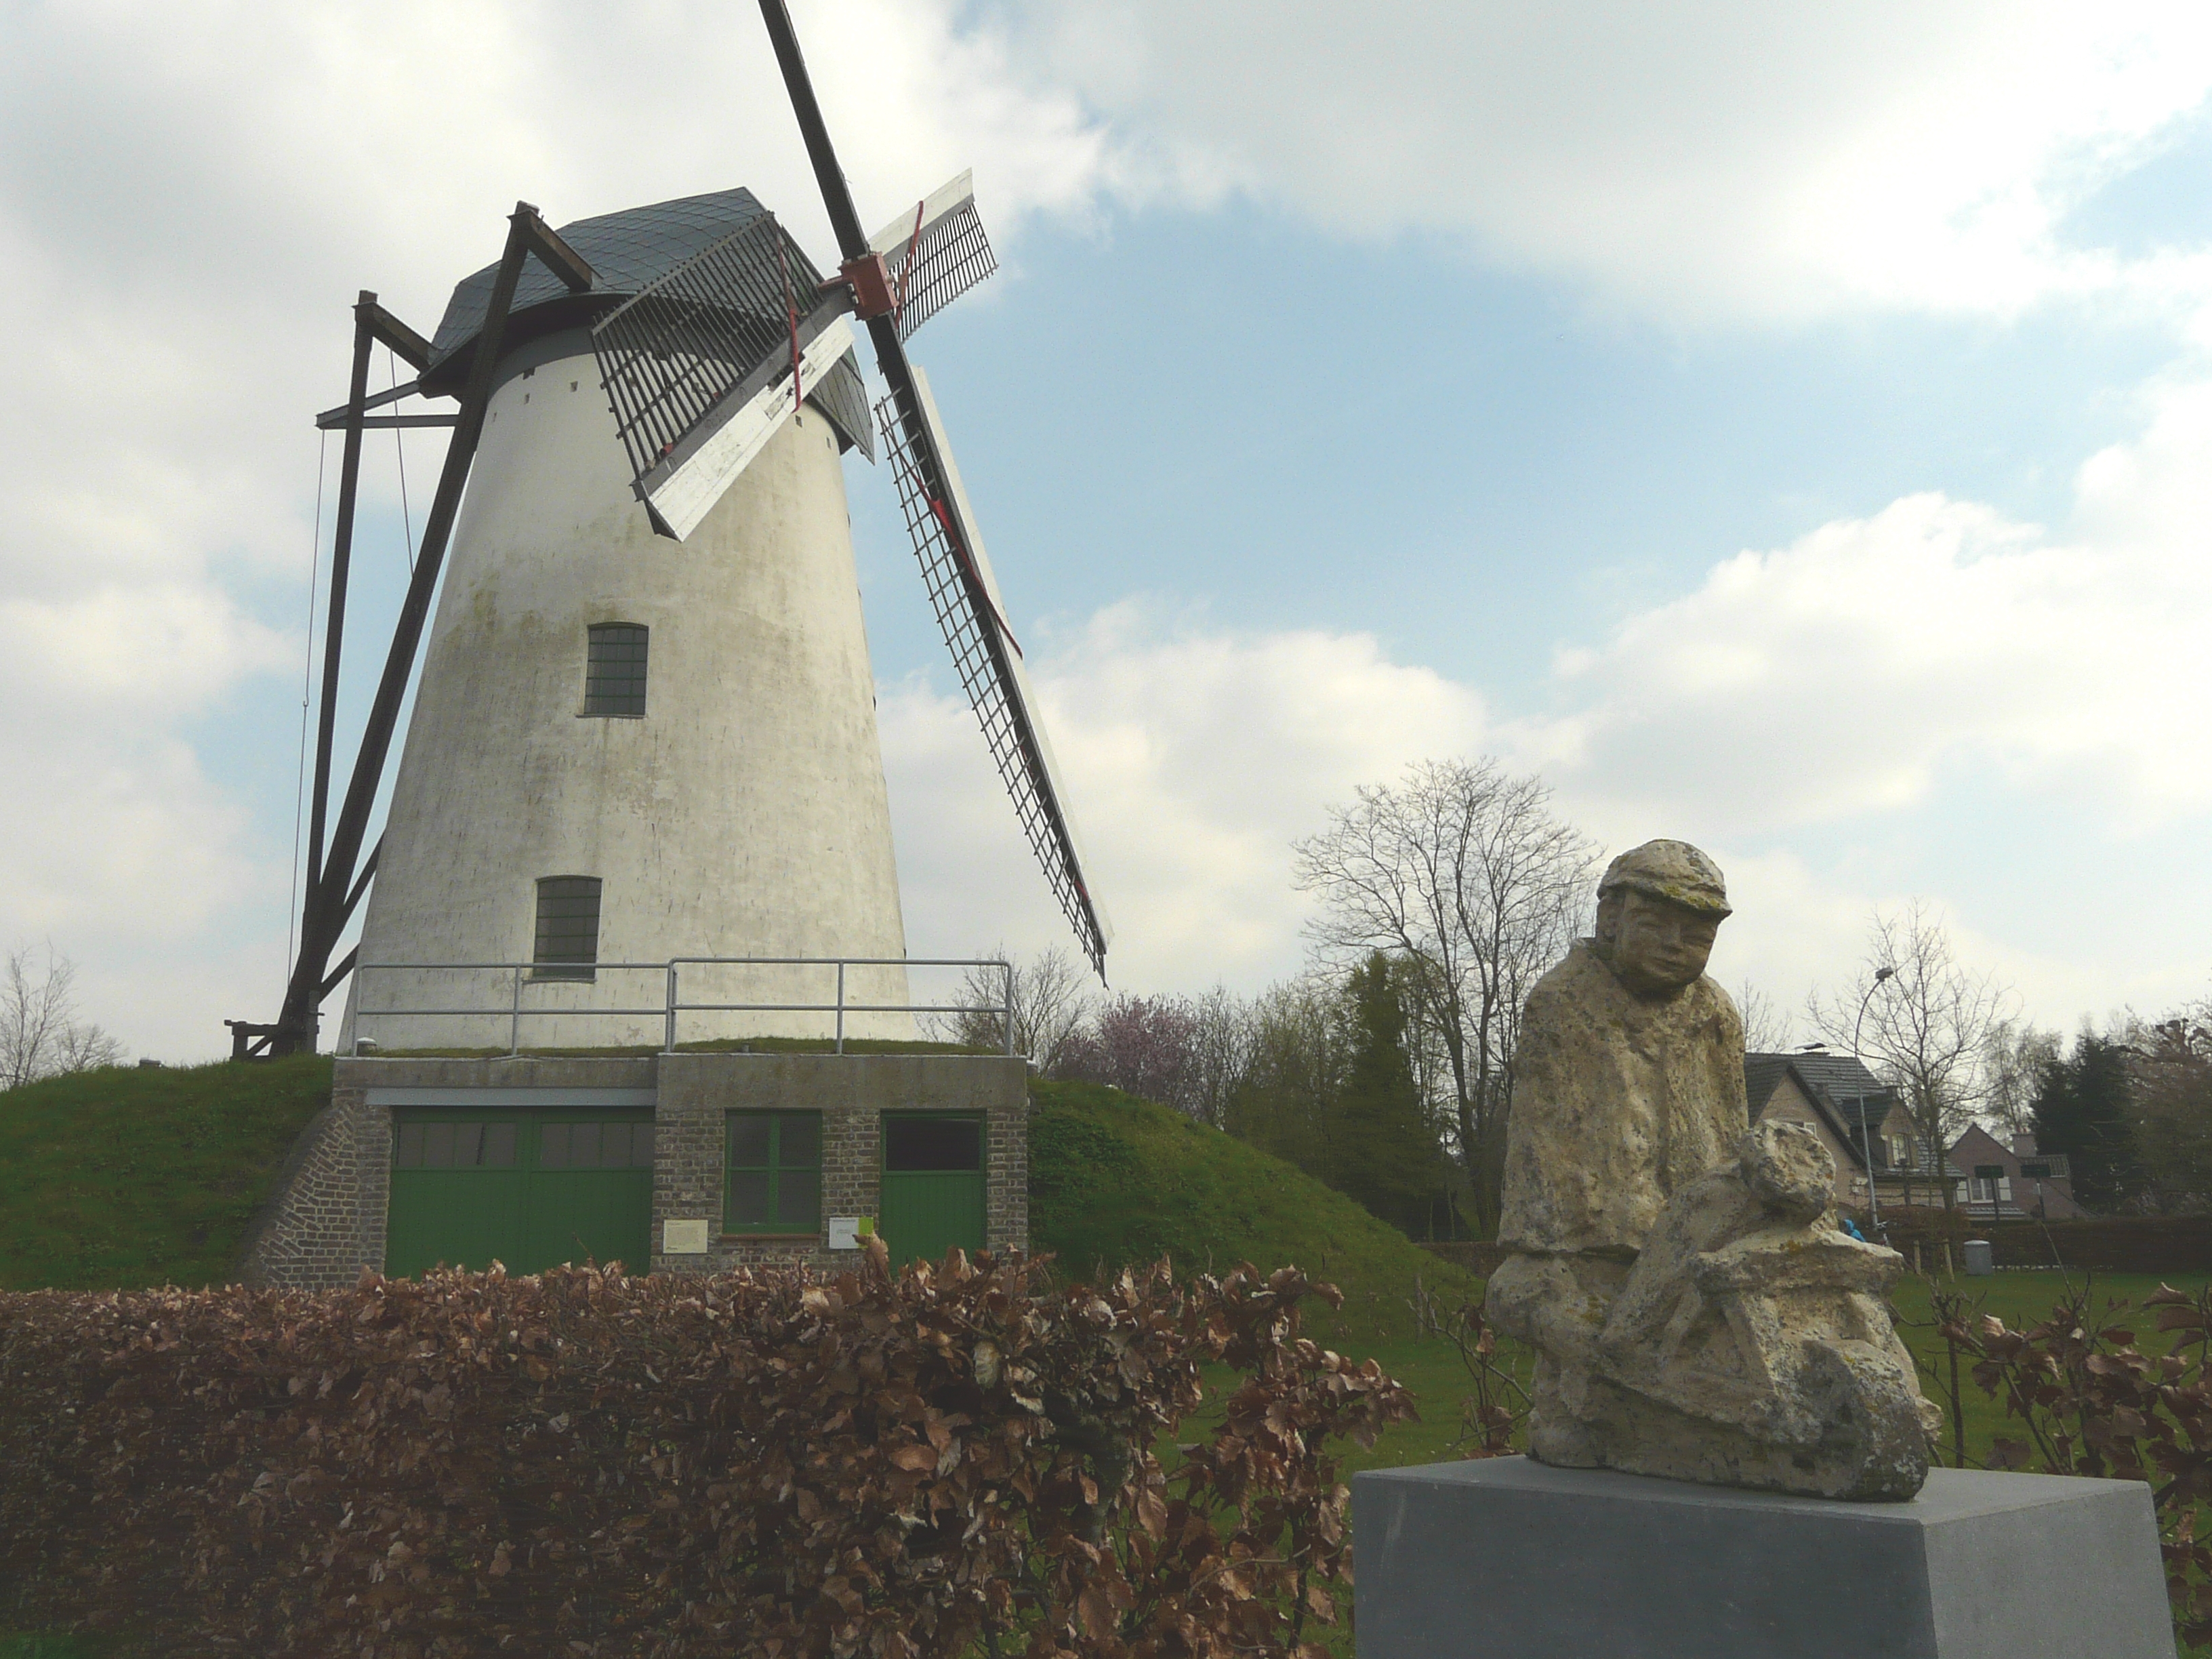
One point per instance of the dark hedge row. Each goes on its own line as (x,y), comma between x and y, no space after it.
(2164,1245)
(937,1462)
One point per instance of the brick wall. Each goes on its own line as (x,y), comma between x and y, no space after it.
(327,1220)
(313,1233)
(852,1092)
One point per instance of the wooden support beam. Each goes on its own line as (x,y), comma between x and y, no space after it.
(404,342)
(364,340)
(557,255)
(327,907)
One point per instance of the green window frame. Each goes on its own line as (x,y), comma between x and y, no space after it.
(772,1173)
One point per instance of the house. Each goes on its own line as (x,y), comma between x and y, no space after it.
(1851,1109)
(2012,1184)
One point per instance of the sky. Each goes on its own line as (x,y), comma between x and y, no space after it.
(1786,428)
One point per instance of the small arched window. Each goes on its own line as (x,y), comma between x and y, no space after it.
(614,671)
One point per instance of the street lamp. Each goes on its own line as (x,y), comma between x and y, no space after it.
(1866,1148)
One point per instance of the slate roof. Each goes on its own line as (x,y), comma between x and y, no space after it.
(1845,1080)
(1763,1075)
(626,250)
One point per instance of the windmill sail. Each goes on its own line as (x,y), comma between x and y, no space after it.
(964,594)
(935,254)
(699,367)
(943,248)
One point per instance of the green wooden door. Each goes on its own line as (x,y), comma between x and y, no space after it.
(932,1184)
(528,1189)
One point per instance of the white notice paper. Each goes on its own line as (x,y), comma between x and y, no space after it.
(683,1238)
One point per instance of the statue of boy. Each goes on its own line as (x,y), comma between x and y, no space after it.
(1695,1312)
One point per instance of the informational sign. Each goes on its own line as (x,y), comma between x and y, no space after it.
(683,1238)
(847,1231)
(1989,1172)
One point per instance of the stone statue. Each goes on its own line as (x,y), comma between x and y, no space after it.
(1694,1312)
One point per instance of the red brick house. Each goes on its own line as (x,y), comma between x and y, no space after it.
(2012,1184)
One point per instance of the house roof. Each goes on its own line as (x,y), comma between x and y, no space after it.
(1846,1082)
(1763,1075)
(627,251)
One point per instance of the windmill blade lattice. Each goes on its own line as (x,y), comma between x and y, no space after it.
(681,358)
(965,599)
(935,254)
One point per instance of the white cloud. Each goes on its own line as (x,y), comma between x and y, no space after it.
(1193,758)
(1850,672)
(1864,680)
(1722,159)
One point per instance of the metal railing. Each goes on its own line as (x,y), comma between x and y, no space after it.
(524,976)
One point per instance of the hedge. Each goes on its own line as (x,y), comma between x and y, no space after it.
(2162,1245)
(947,1461)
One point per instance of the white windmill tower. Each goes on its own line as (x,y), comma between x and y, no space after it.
(645,728)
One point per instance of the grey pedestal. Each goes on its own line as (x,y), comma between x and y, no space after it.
(1504,1556)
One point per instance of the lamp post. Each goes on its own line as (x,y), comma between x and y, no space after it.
(1866,1148)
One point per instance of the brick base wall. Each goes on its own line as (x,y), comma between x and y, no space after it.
(326,1220)
(314,1234)
(852,1092)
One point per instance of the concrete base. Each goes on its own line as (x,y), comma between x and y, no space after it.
(1505,1556)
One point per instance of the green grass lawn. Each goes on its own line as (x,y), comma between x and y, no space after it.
(122,1178)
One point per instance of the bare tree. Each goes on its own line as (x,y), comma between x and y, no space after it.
(1928,1024)
(1461,871)
(1221,1036)
(2013,1067)
(1051,1001)
(2170,1107)
(1767,1029)
(39,1034)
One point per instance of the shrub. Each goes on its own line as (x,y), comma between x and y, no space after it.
(945,1460)
(2089,1400)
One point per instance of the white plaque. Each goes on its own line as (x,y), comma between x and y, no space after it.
(844,1232)
(683,1238)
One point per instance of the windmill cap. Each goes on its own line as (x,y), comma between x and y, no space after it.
(1671,869)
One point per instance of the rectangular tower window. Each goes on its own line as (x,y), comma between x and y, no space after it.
(772,1173)
(568,927)
(614,671)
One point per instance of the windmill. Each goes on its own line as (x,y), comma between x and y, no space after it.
(646,707)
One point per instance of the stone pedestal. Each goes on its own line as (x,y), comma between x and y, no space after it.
(1505,1556)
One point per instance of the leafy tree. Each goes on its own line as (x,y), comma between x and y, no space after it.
(1331,1085)
(2081,1110)
(1284,1102)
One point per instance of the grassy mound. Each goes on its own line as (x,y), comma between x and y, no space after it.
(127,1177)
(1114,1179)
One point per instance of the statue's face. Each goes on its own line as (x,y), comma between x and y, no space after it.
(1655,944)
